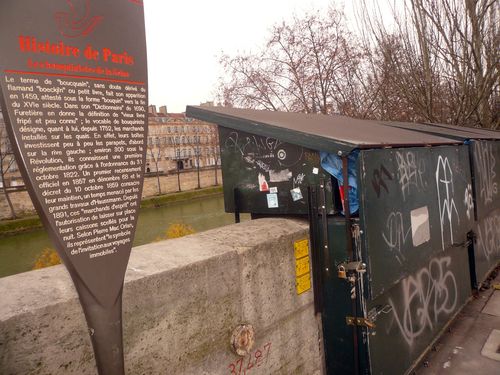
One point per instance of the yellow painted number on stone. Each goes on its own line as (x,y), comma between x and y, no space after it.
(301,248)
(301,266)
(303,283)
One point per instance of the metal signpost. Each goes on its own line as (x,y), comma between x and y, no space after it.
(74,94)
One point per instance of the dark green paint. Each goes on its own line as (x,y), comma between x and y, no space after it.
(310,141)
(487,245)
(394,183)
(337,335)
(486,171)
(244,156)
(416,310)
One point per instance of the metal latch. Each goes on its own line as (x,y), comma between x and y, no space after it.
(363,322)
(344,268)
(377,310)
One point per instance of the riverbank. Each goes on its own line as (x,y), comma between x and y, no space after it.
(27,223)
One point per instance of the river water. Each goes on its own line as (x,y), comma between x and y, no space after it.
(18,253)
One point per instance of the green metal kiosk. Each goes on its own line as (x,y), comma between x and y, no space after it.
(404,220)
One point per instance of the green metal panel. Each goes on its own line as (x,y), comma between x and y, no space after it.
(338,336)
(486,171)
(487,244)
(485,158)
(412,314)
(414,204)
(248,160)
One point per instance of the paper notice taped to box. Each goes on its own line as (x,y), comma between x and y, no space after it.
(296,194)
(280,176)
(272,200)
(420,229)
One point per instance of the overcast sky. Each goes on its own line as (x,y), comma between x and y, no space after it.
(186,37)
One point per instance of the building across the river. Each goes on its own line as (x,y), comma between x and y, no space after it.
(177,142)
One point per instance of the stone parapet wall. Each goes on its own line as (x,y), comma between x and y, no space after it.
(182,300)
(189,181)
(169,184)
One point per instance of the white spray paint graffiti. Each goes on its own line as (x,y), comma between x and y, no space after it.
(426,296)
(445,192)
(410,171)
(468,201)
(254,148)
(488,236)
(252,144)
(396,234)
(485,167)
(299,179)
(262,165)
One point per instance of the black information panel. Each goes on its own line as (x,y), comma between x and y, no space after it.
(74,93)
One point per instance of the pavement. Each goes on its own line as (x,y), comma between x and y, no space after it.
(471,345)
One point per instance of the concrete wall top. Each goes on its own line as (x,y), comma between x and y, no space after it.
(182,299)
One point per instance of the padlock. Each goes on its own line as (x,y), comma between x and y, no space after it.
(341,272)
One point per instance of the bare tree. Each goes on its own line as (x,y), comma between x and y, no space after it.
(443,58)
(177,154)
(427,61)
(155,154)
(214,150)
(310,65)
(196,147)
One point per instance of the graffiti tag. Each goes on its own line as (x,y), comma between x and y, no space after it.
(485,168)
(445,191)
(468,201)
(378,179)
(253,360)
(395,235)
(426,296)
(488,236)
(411,172)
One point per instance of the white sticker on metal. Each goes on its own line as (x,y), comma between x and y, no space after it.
(420,230)
(296,194)
(272,200)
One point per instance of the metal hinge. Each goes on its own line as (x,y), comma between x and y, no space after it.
(363,322)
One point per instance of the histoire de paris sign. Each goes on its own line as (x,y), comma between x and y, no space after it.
(73,85)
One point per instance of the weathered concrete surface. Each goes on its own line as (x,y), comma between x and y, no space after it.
(182,300)
(458,351)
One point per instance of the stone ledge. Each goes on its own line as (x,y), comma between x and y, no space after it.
(182,299)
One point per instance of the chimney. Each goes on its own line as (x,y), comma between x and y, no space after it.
(152,109)
(163,109)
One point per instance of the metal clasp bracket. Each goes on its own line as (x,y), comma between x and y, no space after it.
(362,322)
